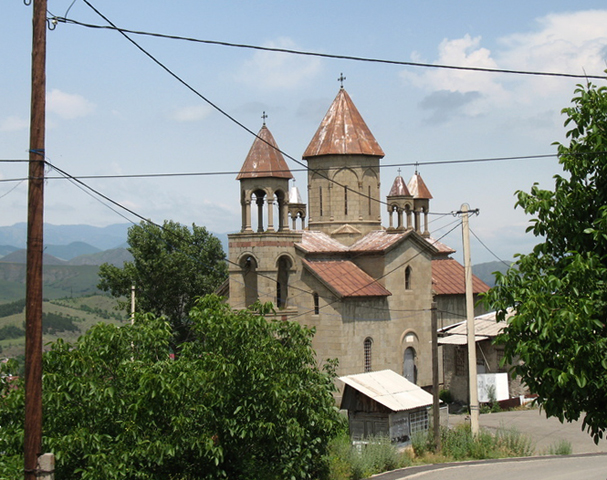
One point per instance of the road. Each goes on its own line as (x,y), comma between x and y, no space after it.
(591,466)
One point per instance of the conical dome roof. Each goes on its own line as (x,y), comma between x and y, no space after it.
(399,188)
(418,188)
(343,132)
(264,159)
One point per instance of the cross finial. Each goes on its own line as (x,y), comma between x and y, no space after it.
(416,165)
(341,79)
(263,117)
(399,172)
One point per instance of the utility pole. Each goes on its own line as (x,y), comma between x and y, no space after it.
(474,408)
(435,392)
(35,222)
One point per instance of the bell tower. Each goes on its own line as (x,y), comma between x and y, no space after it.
(343,174)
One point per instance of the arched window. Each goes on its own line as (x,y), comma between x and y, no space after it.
(249,273)
(345,200)
(408,271)
(368,346)
(409,366)
(282,282)
(316,304)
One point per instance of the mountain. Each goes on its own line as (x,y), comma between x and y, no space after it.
(6,249)
(68,252)
(484,271)
(102,238)
(20,257)
(115,256)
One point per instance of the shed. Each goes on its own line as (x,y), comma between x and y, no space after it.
(384,403)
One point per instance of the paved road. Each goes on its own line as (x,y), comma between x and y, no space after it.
(573,467)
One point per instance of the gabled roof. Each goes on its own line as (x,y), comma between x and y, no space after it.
(380,241)
(343,132)
(264,159)
(441,247)
(399,188)
(313,241)
(418,188)
(389,389)
(345,279)
(448,278)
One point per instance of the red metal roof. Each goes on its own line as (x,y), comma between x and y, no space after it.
(418,188)
(448,278)
(377,241)
(264,159)
(399,188)
(345,279)
(343,132)
(441,247)
(318,242)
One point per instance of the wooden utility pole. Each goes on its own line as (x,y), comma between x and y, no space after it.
(33,290)
(435,392)
(474,408)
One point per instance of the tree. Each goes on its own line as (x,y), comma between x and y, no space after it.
(244,400)
(558,291)
(172,265)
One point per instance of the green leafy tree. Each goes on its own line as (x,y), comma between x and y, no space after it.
(558,291)
(244,400)
(171,266)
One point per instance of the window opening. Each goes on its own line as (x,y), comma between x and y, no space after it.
(316,304)
(367,348)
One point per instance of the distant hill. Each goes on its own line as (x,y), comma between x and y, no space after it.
(102,238)
(115,256)
(6,249)
(20,256)
(74,249)
(484,271)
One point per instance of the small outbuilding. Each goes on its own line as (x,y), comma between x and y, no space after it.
(385,403)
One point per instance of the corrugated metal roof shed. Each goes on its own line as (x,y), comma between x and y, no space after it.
(485,327)
(389,389)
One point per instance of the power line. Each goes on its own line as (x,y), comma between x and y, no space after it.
(234,172)
(324,55)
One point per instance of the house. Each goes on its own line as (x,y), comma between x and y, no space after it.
(454,342)
(385,403)
(330,264)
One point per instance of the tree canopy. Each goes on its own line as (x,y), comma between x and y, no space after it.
(172,265)
(244,400)
(558,291)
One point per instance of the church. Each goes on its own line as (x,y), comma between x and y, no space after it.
(330,264)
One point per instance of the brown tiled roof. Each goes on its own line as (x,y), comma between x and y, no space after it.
(377,241)
(448,278)
(318,242)
(345,279)
(418,188)
(441,247)
(264,160)
(399,188)
(343,132)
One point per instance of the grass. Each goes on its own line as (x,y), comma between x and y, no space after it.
(561,447)
(349,462)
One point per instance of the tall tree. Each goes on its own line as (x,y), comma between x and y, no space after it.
(245,399)
(172,265)
(558,291)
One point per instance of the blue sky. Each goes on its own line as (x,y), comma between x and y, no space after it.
(113,111)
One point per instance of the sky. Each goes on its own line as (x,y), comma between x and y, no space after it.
(112,110)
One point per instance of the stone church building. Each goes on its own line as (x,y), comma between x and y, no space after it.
(330,264)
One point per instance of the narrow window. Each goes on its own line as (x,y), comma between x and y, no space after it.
(367,350)
(345,200)
(316,304)
(369,199)
(408,278)
(320,199)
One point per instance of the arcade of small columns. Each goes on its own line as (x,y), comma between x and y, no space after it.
(415,214)
(270,197)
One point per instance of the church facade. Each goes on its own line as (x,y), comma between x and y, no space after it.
(365,288)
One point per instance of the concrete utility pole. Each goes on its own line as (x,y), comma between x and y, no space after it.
(33,291)
(474,408)
(435,392)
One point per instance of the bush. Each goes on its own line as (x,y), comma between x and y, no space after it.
(562,447)
(446,396)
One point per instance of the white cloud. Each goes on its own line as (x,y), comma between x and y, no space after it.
(68,105)
(191,113)
(273,70)
(13,124)
(574,42)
